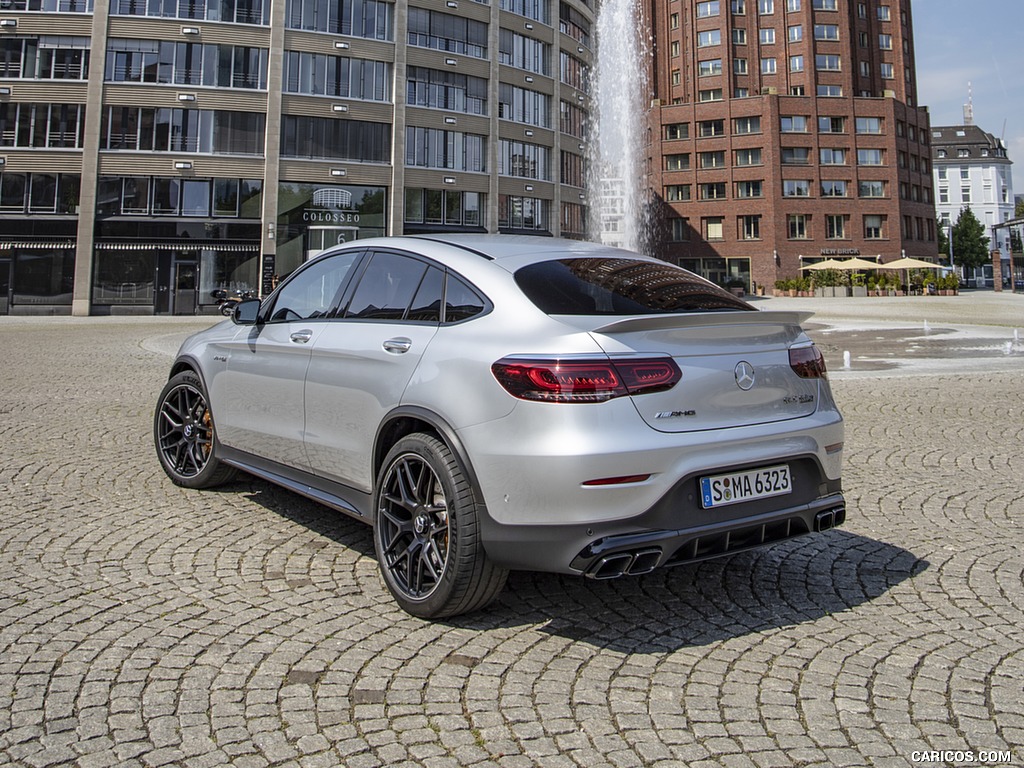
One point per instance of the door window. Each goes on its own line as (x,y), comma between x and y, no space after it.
(314,291)
(387,287)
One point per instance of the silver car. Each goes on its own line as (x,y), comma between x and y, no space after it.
(491,402)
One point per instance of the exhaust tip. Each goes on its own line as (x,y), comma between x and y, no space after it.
(610,566)
(644,561)
(832,518)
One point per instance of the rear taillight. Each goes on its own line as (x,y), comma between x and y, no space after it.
(584,381)
(807,362)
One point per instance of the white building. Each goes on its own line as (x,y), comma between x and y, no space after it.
(972,170)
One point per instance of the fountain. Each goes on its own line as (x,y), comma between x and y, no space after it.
(619,125)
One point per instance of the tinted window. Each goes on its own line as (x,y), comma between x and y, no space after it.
(386,288)
(611,286)
(313,292)
(426,305)
(460,301)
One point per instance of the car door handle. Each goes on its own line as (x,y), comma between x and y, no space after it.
(397,346)
(301,337)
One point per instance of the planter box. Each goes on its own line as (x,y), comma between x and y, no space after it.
(841,291)
(860,290)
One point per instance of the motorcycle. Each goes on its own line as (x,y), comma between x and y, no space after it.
(228,302)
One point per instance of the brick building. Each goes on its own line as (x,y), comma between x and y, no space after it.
(786,131)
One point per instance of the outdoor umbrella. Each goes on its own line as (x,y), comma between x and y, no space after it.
(826,264)
(908,263)
(858,264)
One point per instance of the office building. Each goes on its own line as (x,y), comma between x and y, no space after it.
(154,151)
(787,131)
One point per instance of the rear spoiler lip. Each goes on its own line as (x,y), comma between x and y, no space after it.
(640,323)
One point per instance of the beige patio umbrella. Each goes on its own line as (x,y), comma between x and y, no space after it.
(826,264)
(908,263)
(858,263)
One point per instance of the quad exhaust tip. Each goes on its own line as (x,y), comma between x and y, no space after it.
(832,518)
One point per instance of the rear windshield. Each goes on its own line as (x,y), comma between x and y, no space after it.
(612,286)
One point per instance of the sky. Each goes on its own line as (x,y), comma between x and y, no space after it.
(980,42)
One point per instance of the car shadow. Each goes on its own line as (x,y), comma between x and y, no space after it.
(785,584)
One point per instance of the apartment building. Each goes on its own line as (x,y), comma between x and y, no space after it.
(784,132)
(154,151)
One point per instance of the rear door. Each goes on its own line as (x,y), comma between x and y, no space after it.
(362,363)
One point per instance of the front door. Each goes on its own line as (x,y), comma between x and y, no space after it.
(5,286)
(185,277)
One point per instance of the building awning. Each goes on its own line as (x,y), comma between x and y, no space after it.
(41,245)
(185,245)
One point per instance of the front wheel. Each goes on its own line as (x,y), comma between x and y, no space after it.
(427,532)
(184,435)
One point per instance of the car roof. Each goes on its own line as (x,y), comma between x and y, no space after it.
(521,248)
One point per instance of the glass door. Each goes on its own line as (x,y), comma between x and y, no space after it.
(5,286)
(186,280)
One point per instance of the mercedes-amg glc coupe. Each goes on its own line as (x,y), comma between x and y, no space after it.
(493,402)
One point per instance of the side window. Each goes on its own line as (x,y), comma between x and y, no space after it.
(386,288)
(312,293)
(426,305)
(460,301)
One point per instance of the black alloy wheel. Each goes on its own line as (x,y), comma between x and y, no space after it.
(184,434)
(426,532)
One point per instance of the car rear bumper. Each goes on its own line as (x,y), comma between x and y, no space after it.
(674,531)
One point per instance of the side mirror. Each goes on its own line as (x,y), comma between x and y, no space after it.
(246,312)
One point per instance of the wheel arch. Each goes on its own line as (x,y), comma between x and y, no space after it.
(410,419)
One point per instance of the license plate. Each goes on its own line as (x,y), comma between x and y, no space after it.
(734,487)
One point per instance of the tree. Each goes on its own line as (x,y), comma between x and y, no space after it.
(943,242)
(970,246)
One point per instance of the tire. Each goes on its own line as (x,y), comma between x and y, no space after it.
(426,532)
(183,432)
(227,309)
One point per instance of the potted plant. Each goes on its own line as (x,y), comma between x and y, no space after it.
(858,284)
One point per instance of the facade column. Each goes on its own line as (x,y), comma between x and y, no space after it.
(81,298)
(997,270)
(272,147)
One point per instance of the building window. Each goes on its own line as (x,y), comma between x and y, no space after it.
(745,125)
(519,51)
(825,5)
(885,42)
(677,77)
(833,188)
(884,13)
(707,9)
(793,124)
(826,31)
(572,120)
(796,188)
(796,155)
(523,105)
(739,66)
(832,156)
(709,67)
(768,66)
(871,188)
(679,229)
(749,189)
(792,5)
(370,18)
(524,160)
(677,162)
(796,63)
(886,71)
(675,49)
(713,228)
(765,7)
(739,36)
(965,194)
(828,62)
(795,33)
(748,156)
(450,150)
(873,225)
(527,213)
(870,157)
(830,91)
(750,227)
(712,159)
(674,131)
(865,69)
(709,37)
(437,206)
(767,36)
(712,191)
(673,21)
(706,128)
(835,227)
(711,94)
(675,193)
(451,91)
(798,226)
(869,125)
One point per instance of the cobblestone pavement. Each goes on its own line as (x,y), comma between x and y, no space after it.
(146,625)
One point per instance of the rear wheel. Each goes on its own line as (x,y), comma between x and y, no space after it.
(427,532)
(184,434)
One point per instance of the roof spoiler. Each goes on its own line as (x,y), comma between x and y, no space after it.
(637,323)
